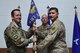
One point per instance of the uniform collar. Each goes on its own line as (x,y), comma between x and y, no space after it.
(55,21)
(14,24)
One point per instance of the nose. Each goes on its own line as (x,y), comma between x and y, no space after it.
(44,20)
(51,13)
(19,16)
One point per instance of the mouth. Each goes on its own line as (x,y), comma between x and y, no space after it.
(19,18)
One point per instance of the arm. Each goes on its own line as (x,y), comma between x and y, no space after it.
(28,33)
(48,39)
(42,34)
(16,37)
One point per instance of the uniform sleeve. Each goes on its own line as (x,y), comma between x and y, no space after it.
(28,33)
(16,37)
(48,39)
(41,34)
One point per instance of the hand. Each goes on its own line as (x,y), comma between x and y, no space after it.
(34,28)
(34,47)
(34,39)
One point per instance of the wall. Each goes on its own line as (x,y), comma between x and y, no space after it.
(66,14)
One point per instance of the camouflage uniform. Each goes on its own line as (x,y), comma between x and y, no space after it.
(44,30)
(16,38)
(55,40)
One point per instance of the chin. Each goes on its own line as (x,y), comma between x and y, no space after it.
(18,22)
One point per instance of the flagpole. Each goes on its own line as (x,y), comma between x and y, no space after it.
(20,10)
(75,10)
(48,7)
(76,34)
(75,7)
(34,37)
(34,44)
(32,17)
(18,7)
(48,15)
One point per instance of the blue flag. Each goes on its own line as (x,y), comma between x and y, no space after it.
(48,19)
(76,36)
(33,14)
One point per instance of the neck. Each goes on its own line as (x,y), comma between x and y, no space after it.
(18,24)
(44,25)
(54,20)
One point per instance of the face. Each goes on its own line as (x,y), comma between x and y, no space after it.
(44,19)
(34,24)
(53,15)
(17,17)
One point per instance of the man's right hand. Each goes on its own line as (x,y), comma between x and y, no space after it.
(35,29)
(34,39)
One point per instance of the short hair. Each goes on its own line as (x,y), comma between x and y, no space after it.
(53,8)
(44,15)
(12,13)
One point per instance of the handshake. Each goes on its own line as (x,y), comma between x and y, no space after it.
(34,38)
